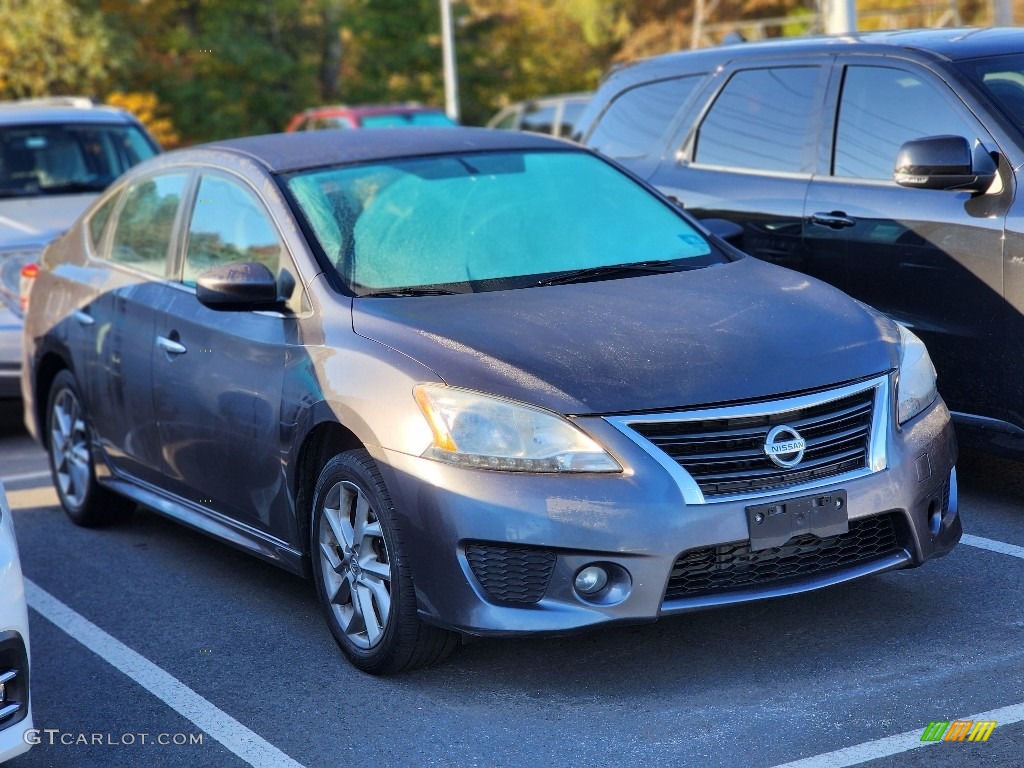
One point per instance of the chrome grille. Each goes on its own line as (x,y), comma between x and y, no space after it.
(14,689)
(724,454)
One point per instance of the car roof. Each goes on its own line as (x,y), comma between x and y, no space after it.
(43,112)
(286,152)
(950,43)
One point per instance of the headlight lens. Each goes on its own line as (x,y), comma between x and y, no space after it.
(916,388)
(477,430)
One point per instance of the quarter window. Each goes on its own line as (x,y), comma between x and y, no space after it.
(763,120)
(637,119)
(146,222)
(882,107)
(229,225)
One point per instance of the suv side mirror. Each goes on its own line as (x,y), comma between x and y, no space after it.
(241,286)
(942,162)
(727,230)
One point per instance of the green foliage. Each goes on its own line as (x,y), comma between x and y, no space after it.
(50,47)
(221,68)
(511,50)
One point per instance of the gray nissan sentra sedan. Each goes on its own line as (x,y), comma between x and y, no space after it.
(475,383)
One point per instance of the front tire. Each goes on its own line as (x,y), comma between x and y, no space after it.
(68,448)
(362,574)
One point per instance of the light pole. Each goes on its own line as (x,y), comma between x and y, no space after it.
(451,77)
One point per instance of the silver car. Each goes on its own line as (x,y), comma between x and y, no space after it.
(475,383)
(56,156)
(15,701)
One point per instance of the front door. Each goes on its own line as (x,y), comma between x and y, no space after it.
(929,259)
(218,378)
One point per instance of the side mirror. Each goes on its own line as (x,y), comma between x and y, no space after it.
(246,285)
(727,230)
(943,162)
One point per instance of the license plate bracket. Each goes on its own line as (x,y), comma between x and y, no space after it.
(772,525)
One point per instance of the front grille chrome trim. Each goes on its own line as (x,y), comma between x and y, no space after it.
(877,458)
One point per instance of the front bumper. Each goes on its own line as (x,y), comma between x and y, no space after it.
(535,532)
(15,704)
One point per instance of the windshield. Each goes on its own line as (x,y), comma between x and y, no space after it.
(64,159)
(406,120)
(488,221)
(1002,79)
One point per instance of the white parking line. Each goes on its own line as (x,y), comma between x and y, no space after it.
(993,546)
(902,742)
(26,476)
(232,734)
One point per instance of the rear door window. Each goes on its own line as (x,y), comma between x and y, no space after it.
(764,120)
(881,108)
(142,235)
(634,124)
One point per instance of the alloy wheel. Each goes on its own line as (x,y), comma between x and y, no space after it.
(355,564)
(69,448)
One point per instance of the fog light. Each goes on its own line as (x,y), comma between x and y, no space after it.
(591,580)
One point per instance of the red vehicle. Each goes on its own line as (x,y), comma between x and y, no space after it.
(375,116)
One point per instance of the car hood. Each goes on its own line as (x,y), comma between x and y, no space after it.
(28,222)
(738,331)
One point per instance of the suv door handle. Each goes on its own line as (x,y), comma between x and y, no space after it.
(170,346)
(833,220)
(83,317)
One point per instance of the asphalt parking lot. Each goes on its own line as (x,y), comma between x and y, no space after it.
(153,645)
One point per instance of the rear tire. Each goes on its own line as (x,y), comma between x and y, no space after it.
(362,573)
(71,464)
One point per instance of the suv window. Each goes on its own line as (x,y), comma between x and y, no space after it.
(762,120)
(229,225)
(633,123)
(882,107)
(571,111)
(143,231)
(539,119)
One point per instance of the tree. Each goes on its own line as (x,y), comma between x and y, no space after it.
(50,47)
(511,50)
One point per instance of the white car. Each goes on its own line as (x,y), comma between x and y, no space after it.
(15,707)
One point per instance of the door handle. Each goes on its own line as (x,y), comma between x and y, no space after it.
(170,346)
(833,220)
(83,317)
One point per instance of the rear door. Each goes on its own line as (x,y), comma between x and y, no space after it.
(930,259)
(114,331)
(218,378)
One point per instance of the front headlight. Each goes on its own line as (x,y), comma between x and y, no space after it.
(477,430)
(916,388)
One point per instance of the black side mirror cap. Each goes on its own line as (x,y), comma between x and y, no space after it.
(242,286)
(943,162)
(726,230)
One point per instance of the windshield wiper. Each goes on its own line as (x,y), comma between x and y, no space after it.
(590,273)
(410,292)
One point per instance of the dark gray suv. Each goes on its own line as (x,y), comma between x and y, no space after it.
(886,164)
(475,382)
